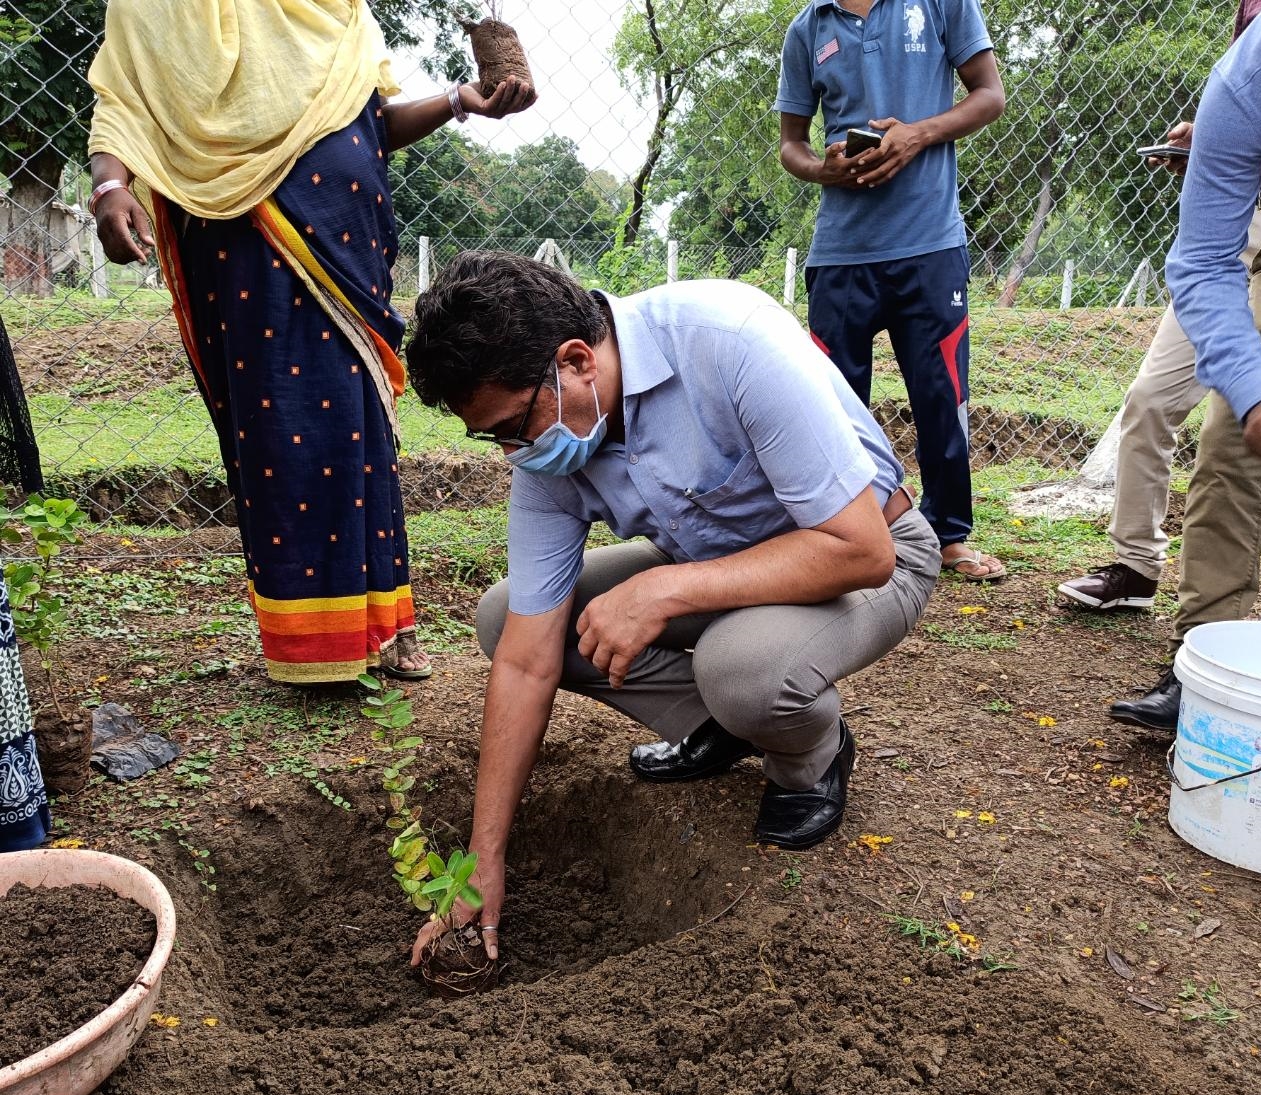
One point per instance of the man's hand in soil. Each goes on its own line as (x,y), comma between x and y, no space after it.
(512,96)
(118,216)
(615,628)
(488,880)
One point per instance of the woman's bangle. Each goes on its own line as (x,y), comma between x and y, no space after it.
(457,108)
(102,190)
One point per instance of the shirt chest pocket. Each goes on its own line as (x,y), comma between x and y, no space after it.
(744,493)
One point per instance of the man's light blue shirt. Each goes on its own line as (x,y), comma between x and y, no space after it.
(1208,283)
(898,62)
(738,429)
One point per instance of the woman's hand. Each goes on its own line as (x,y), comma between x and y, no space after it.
(488,880)
(512,96)
(123,227)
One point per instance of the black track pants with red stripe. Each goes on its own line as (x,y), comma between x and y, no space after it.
(923,303)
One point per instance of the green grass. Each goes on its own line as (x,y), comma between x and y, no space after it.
(168,427)
(1072,365)
(470,547)
(24,314)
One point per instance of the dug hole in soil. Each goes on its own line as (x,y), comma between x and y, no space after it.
(640,957)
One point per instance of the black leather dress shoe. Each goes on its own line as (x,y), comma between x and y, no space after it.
(1157,710)
(800,819)
(707,751)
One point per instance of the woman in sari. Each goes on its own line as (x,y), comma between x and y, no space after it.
(248,144)
(24,817)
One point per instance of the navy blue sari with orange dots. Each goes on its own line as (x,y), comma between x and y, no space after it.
(286,316)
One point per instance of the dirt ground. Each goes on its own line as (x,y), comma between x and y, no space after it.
(650,946)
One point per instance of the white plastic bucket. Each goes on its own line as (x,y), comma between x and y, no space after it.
(1215,761)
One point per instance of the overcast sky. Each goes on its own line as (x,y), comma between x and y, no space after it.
(568,43)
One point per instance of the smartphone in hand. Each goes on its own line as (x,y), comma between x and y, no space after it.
(1164,152)
(858,141)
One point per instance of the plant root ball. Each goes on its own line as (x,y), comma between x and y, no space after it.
(498,53)
(456,964)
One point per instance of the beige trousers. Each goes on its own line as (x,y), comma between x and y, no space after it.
(1221,531)
(1158,401)
(766,673)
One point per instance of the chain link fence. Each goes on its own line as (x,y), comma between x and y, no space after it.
(652,154)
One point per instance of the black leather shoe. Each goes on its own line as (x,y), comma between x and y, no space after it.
(1157,710)
(707,751)
(800,819)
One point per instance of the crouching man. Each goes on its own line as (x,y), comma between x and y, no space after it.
(780,551)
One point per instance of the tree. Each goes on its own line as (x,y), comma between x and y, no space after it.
(401,21)
(1086,83)
(679,52)
(440,188)
(716,163)
(46,47)
(544,191)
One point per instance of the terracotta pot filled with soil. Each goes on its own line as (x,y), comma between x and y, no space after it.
(65,749)
(84,938)
(456,964)
(497,51)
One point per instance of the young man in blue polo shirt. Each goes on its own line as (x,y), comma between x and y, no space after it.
(780,554)
(889,250)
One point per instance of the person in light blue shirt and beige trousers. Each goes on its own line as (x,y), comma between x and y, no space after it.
(1217,301)
(889,250)
(780,551)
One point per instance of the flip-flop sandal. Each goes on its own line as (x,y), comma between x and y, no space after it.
(393,653)
(975,559)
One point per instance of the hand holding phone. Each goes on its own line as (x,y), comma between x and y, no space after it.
(858,141)
(1164,152)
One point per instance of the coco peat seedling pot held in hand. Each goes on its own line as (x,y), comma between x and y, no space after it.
(497,51)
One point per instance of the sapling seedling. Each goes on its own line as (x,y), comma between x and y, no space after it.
(455,963)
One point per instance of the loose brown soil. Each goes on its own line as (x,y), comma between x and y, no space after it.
(66,954)
(648,945)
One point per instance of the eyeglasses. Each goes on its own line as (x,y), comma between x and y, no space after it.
(515,439)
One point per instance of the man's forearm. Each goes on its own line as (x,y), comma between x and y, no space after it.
(801,161)
(853,550)
(518,705)
(971,113)
(802,567)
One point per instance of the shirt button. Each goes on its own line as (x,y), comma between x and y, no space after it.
(634,458)
(858,22)
(674,524)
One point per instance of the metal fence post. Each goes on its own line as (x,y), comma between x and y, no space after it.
(790,277)
(422,263)
(672,260)
(1066,288)
(100,283)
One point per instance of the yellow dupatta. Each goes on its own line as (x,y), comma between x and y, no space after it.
(210,102)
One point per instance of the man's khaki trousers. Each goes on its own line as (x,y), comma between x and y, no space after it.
(766,673)
(1158,401)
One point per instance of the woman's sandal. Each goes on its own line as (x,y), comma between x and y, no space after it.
(404,646)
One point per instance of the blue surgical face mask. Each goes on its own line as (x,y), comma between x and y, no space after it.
(558,450)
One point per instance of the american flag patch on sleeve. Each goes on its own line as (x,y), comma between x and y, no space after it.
(826,51)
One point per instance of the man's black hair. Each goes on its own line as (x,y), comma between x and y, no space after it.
(495,317)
